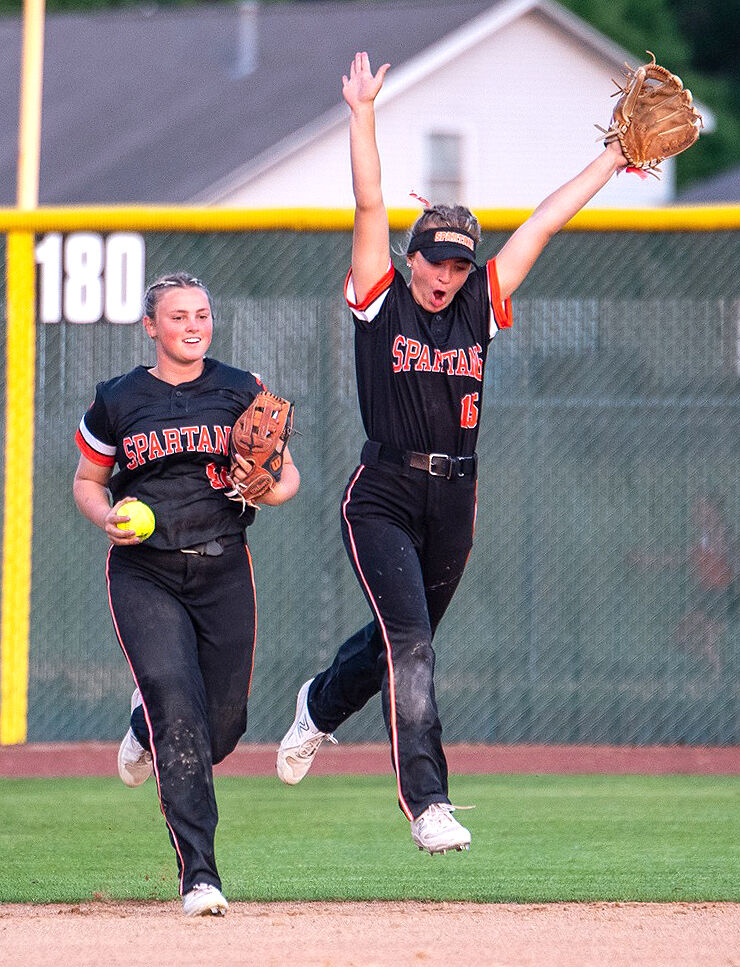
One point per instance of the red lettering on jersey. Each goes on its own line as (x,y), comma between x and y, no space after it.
(465,361)
(217,476)
(469,411)
(424,363)
(189,433)
(397,350)
(172,440)
(128,449)
(413,351)
(476,363)
(462,368)
(155,447)
(140,442)
(221,442)
(204,441)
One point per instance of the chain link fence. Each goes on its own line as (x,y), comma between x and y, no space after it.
(596,606)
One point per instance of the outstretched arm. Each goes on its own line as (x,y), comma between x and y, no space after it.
(522,250)
(370,241)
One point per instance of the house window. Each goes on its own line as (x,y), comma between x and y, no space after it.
(444,168)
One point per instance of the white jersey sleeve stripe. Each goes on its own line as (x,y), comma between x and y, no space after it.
(104,449)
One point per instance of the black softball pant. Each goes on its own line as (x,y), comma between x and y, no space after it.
(186,624)
(408,536)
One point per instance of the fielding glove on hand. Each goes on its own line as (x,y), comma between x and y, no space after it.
(654,118)
(259,436)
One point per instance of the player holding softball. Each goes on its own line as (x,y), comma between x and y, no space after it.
(183,601)
(408,511)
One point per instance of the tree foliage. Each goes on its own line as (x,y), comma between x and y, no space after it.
(712,28)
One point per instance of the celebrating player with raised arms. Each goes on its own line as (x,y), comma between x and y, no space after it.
(408,511)
(182,600)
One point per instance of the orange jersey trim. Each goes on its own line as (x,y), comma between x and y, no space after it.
(92,455)
(378,289)
(501,309)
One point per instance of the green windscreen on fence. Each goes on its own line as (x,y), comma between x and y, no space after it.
(593,608)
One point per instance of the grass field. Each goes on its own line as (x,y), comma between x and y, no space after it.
(535,839)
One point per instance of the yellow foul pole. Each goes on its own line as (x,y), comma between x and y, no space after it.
(20,354)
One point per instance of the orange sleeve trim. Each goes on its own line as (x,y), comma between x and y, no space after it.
(378,289)
(502,312)
(92,455)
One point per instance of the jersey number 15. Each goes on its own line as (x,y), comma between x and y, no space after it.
(469,411)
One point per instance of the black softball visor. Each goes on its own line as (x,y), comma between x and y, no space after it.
(438,244)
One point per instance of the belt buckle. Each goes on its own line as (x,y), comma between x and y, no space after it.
(210,548)
(435,473)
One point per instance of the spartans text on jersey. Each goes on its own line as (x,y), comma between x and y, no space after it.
(410,353)
(141,448)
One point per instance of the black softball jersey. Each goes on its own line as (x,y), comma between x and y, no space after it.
(171,446)
(420,373)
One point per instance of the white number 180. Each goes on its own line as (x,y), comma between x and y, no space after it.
(84,277)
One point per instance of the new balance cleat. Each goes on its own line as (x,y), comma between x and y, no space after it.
(204,900)
(300,743)
(437,830)
(134,761)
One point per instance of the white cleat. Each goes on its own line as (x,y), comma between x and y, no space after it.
(134,761)
(204,900)
(300,743)
(437,830)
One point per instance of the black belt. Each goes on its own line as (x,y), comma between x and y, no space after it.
(215,547)
(435,464)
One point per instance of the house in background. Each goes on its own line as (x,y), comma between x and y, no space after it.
(491,103)
(723,188)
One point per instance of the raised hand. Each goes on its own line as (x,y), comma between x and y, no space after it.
(362,86)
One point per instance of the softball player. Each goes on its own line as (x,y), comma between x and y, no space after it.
(183,602)
(408,511)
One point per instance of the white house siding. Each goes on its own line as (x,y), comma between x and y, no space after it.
(315,176)
(525,100)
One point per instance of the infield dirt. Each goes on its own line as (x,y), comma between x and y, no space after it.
(408,934)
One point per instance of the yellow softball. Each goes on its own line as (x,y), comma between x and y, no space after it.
(142,518)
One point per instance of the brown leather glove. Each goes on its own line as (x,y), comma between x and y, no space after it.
(654,118)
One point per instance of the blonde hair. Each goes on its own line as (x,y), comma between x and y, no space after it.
(177,280)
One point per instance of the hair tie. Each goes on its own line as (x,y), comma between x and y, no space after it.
(424,202)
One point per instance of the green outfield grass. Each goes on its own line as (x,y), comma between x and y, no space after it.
(535,838)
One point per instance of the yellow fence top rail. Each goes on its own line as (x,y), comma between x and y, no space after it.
(134,218)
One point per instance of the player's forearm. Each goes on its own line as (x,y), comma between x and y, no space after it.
(364,158)
(92,500)
(285,489)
